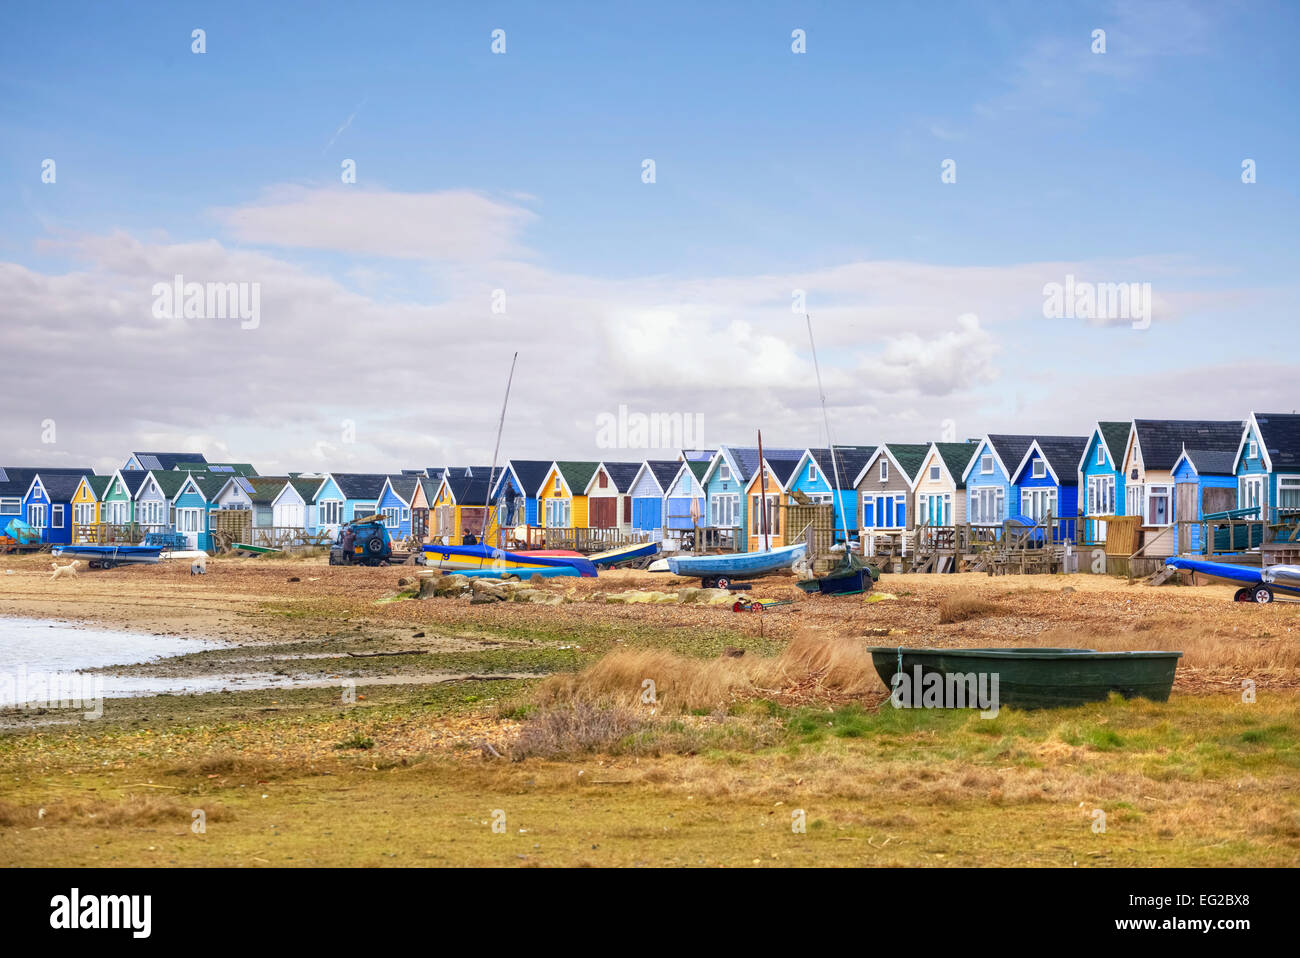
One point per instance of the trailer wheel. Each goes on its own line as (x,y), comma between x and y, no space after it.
(721,582)
(1243,595)
(1263,594)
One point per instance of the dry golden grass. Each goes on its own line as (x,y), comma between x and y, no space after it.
(961,606)
(837,665)
(132,810)
(1203,647)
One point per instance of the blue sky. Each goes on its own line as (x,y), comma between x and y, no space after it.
(772,169)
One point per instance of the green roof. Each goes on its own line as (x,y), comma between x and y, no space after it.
(577,474)
(1116,436)
(305,487)
(910,456)
(699,467)
(169,481)
(956,456)
(98,484)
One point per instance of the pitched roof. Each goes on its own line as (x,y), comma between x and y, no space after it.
(304,487)
(165,460)
(59,487)
(529,473)
(956,457)
(698,467)
(469,490)
(910,456)
(263,490)
(132,478)
(1115,435)
(404,486)
(576,475)
(622,474)
(850,459)
(1163,440)
(698,455)
(746,457)
(1011,450)
(169,482)
(1211,462)
(98,485)
(1280,433)
(1063,454)
(16,480)
(430,487)
(782,468)
(359,485)
(664,471)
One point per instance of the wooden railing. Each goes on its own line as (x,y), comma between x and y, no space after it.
(107,533)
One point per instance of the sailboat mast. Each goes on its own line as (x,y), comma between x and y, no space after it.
(835,467)
(501,424)
(762,492)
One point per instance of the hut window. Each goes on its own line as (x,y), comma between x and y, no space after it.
(986,464)
(934,473)
(56,517)
(557,484)
(724,472)
(36,516)
(1158,506)
(11,507)
(1101,455)
(1254,450)
(1040,469)
(812,473)
(1288,493)
(884,470)
(604,481)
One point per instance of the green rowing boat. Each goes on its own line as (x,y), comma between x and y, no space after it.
(255,550)
(1031,678)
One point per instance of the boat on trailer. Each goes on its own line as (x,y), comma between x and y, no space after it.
(721,570)
(1257,584)
(106,557)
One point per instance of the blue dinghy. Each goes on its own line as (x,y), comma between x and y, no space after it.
(465,558)
(720,570)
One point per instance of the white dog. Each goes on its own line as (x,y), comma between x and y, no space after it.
(199,566)
(69,570)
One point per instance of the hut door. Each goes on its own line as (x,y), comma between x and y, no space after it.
(604,513)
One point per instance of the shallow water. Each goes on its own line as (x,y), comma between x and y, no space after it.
(31,649)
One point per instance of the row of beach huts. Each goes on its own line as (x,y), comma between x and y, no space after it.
(1167,474)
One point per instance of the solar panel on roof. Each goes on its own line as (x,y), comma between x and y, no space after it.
(150,462)
(221,468)
(245,485)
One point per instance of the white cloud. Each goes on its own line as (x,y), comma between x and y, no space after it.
(457,225)
(422,381)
